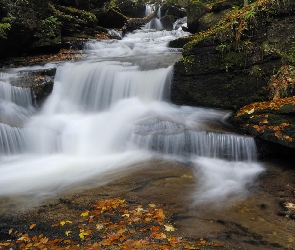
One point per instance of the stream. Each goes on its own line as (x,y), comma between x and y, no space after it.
(109,118)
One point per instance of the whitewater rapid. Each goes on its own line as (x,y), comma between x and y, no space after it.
(110,112)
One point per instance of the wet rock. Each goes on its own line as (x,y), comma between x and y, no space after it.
(180,42)
(271,121)
(219,68)
(39,81)
(195,11)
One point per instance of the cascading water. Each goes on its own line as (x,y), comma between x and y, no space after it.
(109,112)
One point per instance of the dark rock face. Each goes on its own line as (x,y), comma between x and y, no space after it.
(110,18)
(210,79)
(173,11)
(231,74)
(194,13)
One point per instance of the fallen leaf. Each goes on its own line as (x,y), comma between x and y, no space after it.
(99,226)
(32,226)
(82,234)
(65,222)
(85,214)
(44,240)
(169,228)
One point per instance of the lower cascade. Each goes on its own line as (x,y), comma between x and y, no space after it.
(111,111)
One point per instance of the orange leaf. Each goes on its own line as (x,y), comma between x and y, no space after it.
(95,244)
(255,126)
(218,245)
(32,226)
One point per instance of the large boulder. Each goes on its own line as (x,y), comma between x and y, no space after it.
(203,15)
(231,66)
(245,64)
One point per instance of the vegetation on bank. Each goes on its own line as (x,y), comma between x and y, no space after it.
(237,26)
(29,26)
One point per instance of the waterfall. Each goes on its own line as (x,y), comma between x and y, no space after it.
(12,140)
(20,96)
(159,12)
(15,108)
(149,9)
(105,83)
(207,144)
(180,22)
(109,112)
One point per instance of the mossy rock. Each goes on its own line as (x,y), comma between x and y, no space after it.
(195,10)
(110,18)
(132,9)
(272,121)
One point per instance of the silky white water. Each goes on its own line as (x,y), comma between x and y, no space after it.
(109,112)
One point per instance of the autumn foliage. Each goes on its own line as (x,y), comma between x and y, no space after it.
(109,224)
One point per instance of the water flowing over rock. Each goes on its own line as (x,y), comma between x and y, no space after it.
(111,111)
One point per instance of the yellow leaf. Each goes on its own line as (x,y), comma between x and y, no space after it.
(64,222)
(169,228)
(82,234)
(68,233)
(250,111)
(85,214)
(152,205)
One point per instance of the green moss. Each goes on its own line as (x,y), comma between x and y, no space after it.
(235,25)
(50,27)
(187,64)
(81,15)
(233,59)
(4,27)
